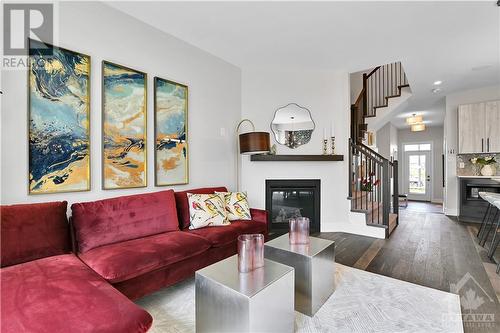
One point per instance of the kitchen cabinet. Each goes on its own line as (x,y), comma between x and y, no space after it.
(492,115)
(479,128)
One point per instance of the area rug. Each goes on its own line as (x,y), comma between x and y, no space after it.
(362,302)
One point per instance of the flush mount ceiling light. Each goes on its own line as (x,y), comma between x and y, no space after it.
(418,127)
(414,119)
(436,90)
(438,82)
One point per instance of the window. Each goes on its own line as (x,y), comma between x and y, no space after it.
(418,147)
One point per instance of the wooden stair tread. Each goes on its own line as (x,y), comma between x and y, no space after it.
(393,219)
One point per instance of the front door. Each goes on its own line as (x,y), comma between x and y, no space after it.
(418,175)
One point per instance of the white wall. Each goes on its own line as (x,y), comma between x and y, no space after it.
(107,34)
(387,140)
(451,203)
(326,95)
(434,135)
(356,84)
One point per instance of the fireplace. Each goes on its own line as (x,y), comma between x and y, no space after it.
(288,198)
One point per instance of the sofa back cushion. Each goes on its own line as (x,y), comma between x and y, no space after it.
(119,219)
(181,200)
(33,231)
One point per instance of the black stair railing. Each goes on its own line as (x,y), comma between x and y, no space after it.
(382,83)
(373,185)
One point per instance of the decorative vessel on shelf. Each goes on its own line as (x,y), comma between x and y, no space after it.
(488,170)
(488,165)
(250,252)
(299,230)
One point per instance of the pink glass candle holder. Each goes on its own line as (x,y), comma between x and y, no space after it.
(250,252)
(299,230)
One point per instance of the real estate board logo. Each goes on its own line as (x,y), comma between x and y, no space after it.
(22,21)
(473,298)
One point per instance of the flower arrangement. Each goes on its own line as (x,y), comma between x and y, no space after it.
(486,160)
(367,184)
(484,165)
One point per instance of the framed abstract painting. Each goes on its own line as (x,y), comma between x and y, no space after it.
(171,146)
(124,105)
(58,119)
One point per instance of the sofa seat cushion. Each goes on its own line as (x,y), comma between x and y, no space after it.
(33,231)
(217,236)
(61,294)
(122,261)
(123,218)
(221,236)
(182,203)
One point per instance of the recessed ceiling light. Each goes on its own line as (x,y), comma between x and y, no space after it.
(436,90)
(437,83)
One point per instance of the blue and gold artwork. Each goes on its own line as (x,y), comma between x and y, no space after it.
(59,111)
(171,148)
(124,126)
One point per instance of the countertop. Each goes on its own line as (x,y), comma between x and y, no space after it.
(486,177)
(494,178)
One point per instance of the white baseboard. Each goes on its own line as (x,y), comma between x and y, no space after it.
(451,212)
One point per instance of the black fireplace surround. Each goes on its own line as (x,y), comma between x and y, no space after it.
(288,198)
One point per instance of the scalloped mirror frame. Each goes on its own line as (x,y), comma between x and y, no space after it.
(289,135)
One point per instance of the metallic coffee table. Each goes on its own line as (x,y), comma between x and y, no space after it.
(314,269)
(258,301)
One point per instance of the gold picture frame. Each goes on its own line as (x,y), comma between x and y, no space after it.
(171,146)
(124,133)
(59,154)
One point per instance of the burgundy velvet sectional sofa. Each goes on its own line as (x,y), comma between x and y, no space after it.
(82,276)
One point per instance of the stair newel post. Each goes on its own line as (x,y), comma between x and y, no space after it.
(395,184)
(350,178)
(372,189)
(366,179)
(354,124)
(365,99)
(400,78)
(379,189)
(386,192)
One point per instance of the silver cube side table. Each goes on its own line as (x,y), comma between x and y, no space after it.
(314,269)
(257,301)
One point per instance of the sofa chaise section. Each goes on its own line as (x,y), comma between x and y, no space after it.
(45,288)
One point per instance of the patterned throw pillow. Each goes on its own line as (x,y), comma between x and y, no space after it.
(237,206)
(206,210)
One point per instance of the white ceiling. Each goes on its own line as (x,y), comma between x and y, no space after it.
(434,40)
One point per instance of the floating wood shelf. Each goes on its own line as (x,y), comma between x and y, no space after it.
(267,158)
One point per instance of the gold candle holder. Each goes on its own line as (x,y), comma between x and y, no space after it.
(333,145)
(325,148)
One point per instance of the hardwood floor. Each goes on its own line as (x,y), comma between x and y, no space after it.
(432,250)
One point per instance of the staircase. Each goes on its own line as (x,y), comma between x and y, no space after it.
(373,179)
(379,86)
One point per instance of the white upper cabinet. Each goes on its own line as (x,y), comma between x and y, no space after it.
(471,128)
(492,110)
(479,128)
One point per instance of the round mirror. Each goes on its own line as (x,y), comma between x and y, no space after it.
(292,125)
